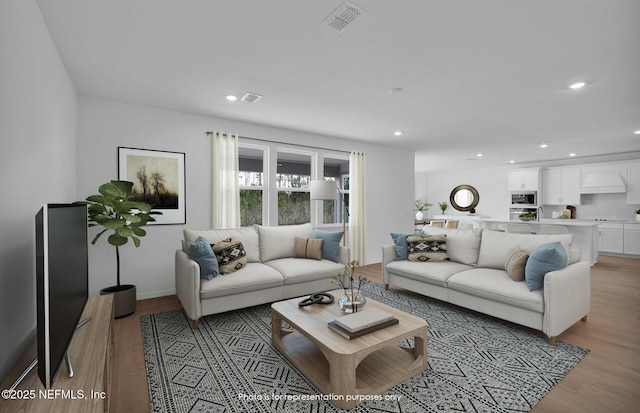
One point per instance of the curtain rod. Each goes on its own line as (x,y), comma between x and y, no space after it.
(209,133)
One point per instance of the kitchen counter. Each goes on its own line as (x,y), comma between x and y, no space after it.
(606,221)
(550,221)
(585,233)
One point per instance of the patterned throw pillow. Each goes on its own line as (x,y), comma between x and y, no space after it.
(231,255)
(427,248)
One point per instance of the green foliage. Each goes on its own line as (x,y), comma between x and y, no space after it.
(422,206)
(293,208)
(113,210)
(250,207)
(443,206)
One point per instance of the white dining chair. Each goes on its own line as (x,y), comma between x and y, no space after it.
(553,229)
(451,223)
(439,223)
(518,228)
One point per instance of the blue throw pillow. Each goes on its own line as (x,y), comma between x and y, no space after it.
(202,253)
(330,243)
(400,243)
(545,258)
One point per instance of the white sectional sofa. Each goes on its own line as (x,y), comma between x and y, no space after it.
(475,278)
(272,273)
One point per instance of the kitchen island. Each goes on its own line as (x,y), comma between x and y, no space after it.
(585,233)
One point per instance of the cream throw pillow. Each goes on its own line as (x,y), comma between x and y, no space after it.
(516,264)
(308,248)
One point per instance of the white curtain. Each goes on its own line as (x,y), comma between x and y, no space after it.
(225,188)
(357,197)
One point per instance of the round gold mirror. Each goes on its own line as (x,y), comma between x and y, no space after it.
(464,198)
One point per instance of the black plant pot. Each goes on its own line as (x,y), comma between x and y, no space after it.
(124,299)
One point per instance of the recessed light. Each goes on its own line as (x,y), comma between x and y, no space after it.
(479,155)
(512,161)
(397,133)
(231,98)
(543,145)
(637,132)
(577,85)
(572,154)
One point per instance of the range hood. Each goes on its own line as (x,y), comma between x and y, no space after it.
(602,181)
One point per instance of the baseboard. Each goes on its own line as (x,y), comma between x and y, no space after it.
(615,254)
(155,294)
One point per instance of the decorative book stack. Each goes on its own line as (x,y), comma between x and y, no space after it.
(361,323)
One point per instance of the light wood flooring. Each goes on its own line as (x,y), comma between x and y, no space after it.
(607,380)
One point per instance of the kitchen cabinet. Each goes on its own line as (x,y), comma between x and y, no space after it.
(524,179)
(632,239)
(611,238)
(603,179)
(561,186)
(633,183)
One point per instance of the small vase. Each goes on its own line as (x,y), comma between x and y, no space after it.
(419,216)
(347,305)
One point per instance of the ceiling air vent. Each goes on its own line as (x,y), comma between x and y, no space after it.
(341,17)
(250,97)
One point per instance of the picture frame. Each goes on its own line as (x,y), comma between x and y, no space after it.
(159,179)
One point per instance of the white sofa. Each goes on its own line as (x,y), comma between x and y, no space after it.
(475,278)
(271,274)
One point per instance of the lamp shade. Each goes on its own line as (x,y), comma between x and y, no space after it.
(323,190)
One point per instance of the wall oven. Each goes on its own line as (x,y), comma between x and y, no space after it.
(529,198)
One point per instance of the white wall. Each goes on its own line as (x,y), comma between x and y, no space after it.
(37,160)
(104,125)
(491,184)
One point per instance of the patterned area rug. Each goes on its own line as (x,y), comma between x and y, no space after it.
(475,364)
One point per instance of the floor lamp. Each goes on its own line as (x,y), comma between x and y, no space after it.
(326,191)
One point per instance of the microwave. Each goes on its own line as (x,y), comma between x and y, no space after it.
(524,198)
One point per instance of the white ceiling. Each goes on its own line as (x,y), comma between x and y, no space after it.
(486,76)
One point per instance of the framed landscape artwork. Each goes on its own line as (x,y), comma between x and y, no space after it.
(158,178)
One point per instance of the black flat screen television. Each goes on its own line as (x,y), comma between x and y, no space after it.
(62,282)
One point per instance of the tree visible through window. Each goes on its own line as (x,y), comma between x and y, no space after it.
(251,179)
(292,180)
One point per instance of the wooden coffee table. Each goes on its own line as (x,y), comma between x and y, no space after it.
(349,371)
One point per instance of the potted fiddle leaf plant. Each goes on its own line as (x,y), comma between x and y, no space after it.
(114,211)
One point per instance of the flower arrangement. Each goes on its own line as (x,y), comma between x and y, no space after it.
(422,206)
(443,206)
(352,300)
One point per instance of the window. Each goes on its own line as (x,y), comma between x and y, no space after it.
(251,176)
(275,182)
(292,180)
(336,170)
